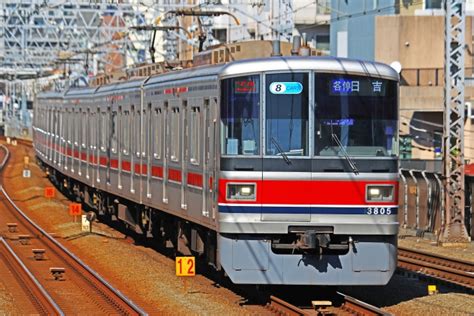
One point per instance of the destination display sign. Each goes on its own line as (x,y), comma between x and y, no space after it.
(245,86)
(362,87)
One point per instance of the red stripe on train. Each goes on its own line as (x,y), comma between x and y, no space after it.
(157,171)
(195,179)
(308,192)
(174,175)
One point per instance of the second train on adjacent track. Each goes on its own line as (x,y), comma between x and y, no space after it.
(280,170)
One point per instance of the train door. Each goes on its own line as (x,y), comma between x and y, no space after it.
(48,133)
(194,193)
(70,139)
(135,154)
(81,119)
(209,158)
(120,145)
(142,150)
(174,174)
(54,137)
(151,152)
(98,138)
(75,140)
(110,141)
(132,149)
(87,142)
(62,146)
(166,150)
(184,153)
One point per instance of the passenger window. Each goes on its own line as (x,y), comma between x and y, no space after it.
(195,130)
(76,128)
(84,129)
(137,131)
(113,131)
(157,140)
(126,132)
(70,127)
(92,131)
(175,135)
(103,132)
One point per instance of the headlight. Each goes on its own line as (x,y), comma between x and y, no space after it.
(379,193)
(241,192)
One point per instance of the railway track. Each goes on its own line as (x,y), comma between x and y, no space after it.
(345,305)
(436,266)
(73,286)
(21,283)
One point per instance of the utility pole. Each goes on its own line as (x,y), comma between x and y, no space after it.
(454,230)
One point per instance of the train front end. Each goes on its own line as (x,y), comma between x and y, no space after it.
(308,183)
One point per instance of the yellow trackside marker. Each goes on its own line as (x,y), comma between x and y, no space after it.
(185,266)
(432,289)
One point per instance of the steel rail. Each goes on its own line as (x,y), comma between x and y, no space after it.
(38,294)
(358,307)
(451,270)
(349,305)
(281,307)
(94,278)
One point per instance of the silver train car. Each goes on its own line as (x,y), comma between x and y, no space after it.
(280,170)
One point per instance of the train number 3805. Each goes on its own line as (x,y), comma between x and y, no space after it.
(379,211)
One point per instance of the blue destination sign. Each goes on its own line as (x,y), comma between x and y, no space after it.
(286,87)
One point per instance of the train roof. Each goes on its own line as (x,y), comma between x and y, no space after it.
(50,95)
(79,92)
(241,67)
(299,63)
(201,71)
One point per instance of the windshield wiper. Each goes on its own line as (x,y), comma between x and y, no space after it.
(344,152)
(280,150)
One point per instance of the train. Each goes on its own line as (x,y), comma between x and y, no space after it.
(275,171)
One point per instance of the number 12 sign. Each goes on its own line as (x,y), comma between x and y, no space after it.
(185,266)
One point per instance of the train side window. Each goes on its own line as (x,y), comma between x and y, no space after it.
(84,129)
(195,129)
(113,132)
(175,135)
(157,139)
(119,130)
(137,131)
(92,131)
(70,128)
(76,128)
(207,122)
(126,132)
(103,132)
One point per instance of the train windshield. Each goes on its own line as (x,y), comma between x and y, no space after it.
(356,115)
(240,115)
(286,114)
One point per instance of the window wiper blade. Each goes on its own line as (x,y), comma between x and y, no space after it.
(346,155)
(280,150)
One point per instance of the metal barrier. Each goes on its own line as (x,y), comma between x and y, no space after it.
(422,202)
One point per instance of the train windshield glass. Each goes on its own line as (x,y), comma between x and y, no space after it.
(240,115)
(286,114)
(355,114)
